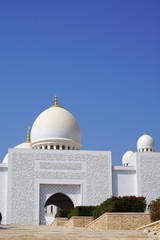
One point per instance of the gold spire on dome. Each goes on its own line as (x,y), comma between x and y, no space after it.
(145,132)
(56,102)
(28,135)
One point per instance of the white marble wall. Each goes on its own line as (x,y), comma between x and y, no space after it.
(29,169)
(20,192)
(148,175)
(87,177)
(124,181)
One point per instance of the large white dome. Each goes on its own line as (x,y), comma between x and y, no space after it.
(53,126)
(145,143)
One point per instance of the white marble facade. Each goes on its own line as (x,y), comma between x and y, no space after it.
(49,170)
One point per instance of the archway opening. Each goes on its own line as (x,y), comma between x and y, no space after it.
(58,204)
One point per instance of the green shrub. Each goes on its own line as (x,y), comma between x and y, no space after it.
(62,212)
(154,209)
(113,204)
(121,204)
(81,211)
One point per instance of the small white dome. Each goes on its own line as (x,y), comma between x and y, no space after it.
(145,143)
(126,157)
(55,125)
(22,145)
(5,159)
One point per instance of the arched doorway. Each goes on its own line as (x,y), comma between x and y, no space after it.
(56,203)
(60,200)
(53,196)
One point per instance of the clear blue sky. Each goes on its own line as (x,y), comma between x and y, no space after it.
(102,59)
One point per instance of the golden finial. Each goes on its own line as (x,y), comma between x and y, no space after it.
(28,135)
(56,102)
(129,149)
(145,132)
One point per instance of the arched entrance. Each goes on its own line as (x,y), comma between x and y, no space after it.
(57,196)
(60,200)
(56,203)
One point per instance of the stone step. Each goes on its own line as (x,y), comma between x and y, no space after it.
(26,232)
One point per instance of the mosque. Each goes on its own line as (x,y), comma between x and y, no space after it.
(50,171)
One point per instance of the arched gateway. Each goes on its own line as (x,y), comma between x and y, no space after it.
(63,197)
(56,203)
(60,200)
